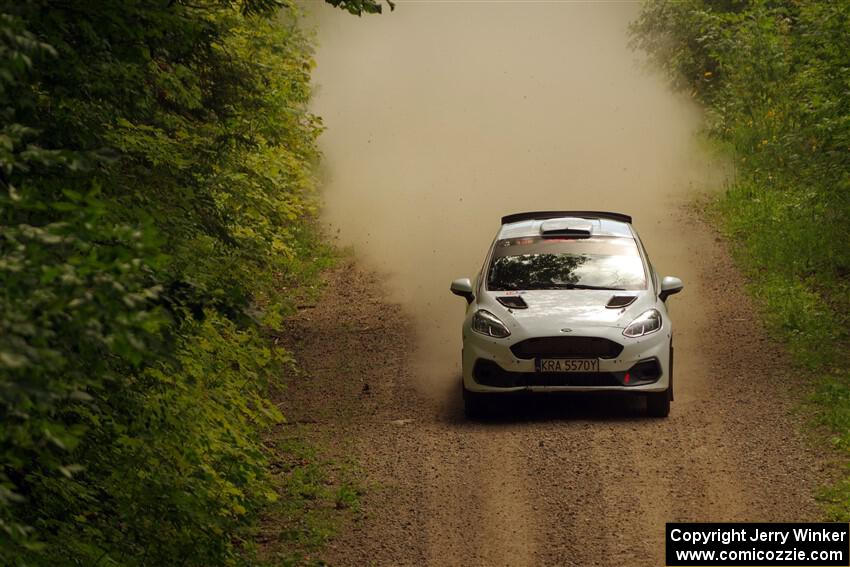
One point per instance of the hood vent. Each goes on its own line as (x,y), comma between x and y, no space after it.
(620,301)
(513,302)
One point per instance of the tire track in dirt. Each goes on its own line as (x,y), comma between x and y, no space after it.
(478,481)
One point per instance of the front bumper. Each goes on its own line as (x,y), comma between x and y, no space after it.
(490,366)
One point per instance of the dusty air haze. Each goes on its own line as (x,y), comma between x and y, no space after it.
(443,116)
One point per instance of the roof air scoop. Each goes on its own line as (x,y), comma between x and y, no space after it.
(620,301)
(575,228)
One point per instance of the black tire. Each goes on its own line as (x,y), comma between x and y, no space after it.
(474,405)
(658,403)
(672,392)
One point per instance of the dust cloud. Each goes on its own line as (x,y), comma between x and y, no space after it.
(443,116)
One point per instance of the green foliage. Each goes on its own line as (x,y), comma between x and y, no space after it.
(156,194)
(317,495)
(773,77)
(359,7)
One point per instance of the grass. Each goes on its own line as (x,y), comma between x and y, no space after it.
(773,235)
(315,496)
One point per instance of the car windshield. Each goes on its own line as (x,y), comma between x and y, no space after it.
(566,263)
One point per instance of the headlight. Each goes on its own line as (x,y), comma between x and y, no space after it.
(648,322)
(488,324)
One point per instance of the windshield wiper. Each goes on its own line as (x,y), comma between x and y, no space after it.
(552,285)
(583,286)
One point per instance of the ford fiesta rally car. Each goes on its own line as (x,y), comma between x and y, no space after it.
(567,301)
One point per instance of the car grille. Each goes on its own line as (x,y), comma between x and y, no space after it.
(572,347)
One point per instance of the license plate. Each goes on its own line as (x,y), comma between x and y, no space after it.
(567,365)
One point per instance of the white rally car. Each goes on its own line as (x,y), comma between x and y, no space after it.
(567,301)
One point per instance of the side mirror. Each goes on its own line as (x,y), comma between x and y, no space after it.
(670,286)
(463,288)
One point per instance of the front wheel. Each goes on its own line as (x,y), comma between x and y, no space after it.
(474,404)
(658,403)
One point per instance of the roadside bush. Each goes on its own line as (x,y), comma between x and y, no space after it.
(157,193)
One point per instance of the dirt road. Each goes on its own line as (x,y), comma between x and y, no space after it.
(441,118)
(573,481)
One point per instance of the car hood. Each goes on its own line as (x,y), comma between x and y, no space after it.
(577,307)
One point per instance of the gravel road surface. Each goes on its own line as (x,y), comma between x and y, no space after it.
(566,481)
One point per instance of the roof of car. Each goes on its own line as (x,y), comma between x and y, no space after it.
(599,226)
